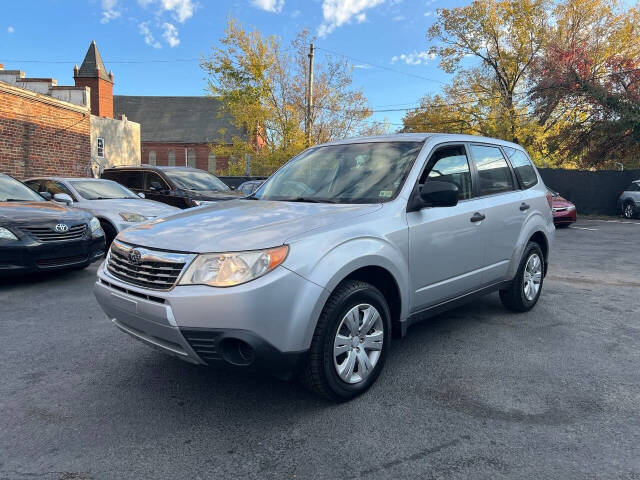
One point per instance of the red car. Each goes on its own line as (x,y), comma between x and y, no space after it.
(564,212)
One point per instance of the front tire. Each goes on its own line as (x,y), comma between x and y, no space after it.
(350,343)
(526,287)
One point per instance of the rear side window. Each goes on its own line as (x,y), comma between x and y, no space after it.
(494,175)
(449,164)
(130,179)
(522,166)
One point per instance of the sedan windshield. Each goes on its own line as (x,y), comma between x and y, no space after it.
(195,180)
(352,173)
(11,190)
(101,190)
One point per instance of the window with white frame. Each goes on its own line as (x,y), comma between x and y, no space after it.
(100,147)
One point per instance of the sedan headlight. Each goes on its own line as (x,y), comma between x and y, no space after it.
(96,229)
(571,207)
(228,269)
(6,234)
(132,217)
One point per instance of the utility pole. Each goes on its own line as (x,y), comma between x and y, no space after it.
(307,126)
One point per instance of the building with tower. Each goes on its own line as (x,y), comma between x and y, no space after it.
(63,130)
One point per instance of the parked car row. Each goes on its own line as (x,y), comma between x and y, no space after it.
(115,206)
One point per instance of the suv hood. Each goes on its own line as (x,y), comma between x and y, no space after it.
(20,212)
(239,225)
(148,208)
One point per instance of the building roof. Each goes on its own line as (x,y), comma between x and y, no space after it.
(92,61)
(177,119)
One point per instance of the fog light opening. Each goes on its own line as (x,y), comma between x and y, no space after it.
(237,352)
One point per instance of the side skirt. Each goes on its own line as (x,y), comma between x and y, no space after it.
(450,304)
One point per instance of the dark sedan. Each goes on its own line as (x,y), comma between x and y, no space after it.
(182,187)
(39,235)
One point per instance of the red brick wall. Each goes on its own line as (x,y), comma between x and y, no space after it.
(162,154)
(37,138)
(101,95)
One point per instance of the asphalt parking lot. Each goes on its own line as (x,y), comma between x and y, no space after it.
(475,393)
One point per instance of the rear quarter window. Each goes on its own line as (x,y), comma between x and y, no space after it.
(525,172)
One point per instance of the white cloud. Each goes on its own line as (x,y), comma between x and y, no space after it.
(274,6)
(11,29)
(338,12)
(182,9)
(149,39)
(414,58)
(363,66)
(110,11)
(399,18)
(170,34)
(428,14)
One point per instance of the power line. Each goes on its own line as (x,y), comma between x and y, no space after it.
(383,67)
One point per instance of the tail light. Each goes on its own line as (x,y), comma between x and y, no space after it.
(549,200)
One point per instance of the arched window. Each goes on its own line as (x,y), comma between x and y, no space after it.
(191,158)
(212,167)
(152,157)
(172,158)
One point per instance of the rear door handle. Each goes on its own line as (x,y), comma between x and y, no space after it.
(477,217)
(524,206)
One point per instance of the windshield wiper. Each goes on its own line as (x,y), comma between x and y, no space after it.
(251,197)
(18,200)
(310,200)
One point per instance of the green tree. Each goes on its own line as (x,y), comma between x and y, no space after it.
(262,86)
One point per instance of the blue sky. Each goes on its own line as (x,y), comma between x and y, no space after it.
(374,33)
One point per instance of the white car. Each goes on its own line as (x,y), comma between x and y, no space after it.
(114,205)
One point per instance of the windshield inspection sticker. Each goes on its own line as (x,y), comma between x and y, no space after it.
(385,193)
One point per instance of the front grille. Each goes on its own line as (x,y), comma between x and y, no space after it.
(46,234)
(56,262)
(151,298)
(204,343)
(151,271)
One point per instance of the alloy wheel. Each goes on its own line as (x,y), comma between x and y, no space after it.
(532,277)
(628,210)
(358,343)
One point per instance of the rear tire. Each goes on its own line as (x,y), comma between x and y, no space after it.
(526,287)
(347,356)
(629,210)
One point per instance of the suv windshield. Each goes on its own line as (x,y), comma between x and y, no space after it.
(351,173)
(101,190)
(11,190)
(195,180)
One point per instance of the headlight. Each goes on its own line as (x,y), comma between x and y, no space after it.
(7,234)
(96,229)
(571,207)
(228,269)
(132,217)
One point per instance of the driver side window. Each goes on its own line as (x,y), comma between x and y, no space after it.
(450,164)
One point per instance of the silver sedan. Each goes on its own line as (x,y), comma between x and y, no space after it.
(114,205)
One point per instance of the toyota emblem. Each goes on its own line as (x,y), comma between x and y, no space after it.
(62,228)
(135,256)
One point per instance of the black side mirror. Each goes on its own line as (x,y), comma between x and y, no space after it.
(45,195)
(439,194)
(156,186)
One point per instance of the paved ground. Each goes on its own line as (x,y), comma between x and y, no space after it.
(476,393)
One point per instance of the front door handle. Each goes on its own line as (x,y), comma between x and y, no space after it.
(524,206)
(477,217)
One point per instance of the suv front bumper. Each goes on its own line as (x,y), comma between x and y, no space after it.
(268,322)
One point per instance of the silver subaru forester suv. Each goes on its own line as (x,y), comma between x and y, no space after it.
(338,252)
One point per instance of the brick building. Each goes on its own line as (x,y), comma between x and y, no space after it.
(47,129)
(179,130)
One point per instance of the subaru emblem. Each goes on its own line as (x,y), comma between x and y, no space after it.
(62,228)
(135,256)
